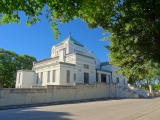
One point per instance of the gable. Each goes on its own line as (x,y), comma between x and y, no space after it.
(91,54)
(97,61)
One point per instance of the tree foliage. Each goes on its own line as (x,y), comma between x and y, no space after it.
(135,39)
(10,62)
(7,67)
(24,62)
(56,10)
(134,26)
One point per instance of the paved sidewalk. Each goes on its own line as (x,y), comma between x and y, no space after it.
(124,109)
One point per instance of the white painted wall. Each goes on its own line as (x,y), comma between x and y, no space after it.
(45,75)
(26,78)
(97,61)
(56,49)
(63,75)
(80,61)
(61,55)
(70,58)
(70,48)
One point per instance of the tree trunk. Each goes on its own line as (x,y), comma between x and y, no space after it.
(1,86)
(1,83)
(150,89)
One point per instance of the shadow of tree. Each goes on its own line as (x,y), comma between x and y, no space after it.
(32,114)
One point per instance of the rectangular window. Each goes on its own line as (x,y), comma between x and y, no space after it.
(86,78)
(37,78)
(86,66)
(54,76)
(48,78)
(41,77)
(117,78)
(19,78)
(74,77)
(68,76)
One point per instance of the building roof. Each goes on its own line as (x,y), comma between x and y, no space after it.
(104,70)
(93,54)
(39,61)
(105,63)
(70,39)
(25,70)
(42,60)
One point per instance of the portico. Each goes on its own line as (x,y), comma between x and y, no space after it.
(104,76)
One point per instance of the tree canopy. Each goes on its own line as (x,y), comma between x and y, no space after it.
(134,26)
(10,62)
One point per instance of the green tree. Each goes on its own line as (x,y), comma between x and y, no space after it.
(56,10)
(10,62)
(134,26)
(7,68)
(24,62)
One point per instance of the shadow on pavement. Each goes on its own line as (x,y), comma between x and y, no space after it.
(66,102)
(32,114)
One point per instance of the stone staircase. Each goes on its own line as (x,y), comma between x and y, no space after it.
(141,92)
(129,91)
(124,92)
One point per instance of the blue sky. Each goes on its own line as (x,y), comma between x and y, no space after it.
(38,39)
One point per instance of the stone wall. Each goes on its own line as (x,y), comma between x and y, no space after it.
(59,93)
(122,92)
(155,94)
(24,96)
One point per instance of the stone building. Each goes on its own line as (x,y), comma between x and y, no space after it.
(70,63)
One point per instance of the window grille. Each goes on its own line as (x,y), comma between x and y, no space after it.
(37,78)
(54,76)
(74,77)
(96,77)
(68,76)
(41,77)
(48,78)
(117,79)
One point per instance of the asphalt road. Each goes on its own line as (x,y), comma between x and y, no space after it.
(124,109)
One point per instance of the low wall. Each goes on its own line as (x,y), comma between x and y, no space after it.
(123,92)
(24,96)
(117,91)
(155,94)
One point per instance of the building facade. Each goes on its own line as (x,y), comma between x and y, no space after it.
(70,63)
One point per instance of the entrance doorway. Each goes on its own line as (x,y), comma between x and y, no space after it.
(103,77)
(86,78)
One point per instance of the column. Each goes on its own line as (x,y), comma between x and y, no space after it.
(107,80)
(99,77)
